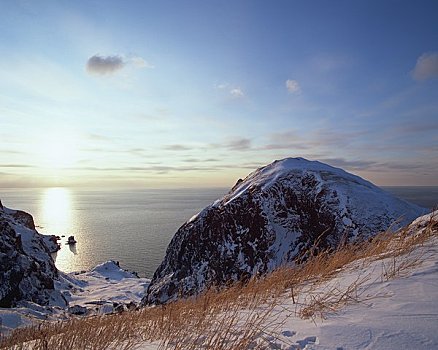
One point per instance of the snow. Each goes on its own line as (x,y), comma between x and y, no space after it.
(99,290)
(400,313)
(101,287)
(346,184)
(403,314)
(268,175)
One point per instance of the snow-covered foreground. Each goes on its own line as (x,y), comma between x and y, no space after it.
(396,314)
(383,301)
(395,306)
(105,289)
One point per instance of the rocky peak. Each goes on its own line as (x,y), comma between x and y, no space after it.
(277,213)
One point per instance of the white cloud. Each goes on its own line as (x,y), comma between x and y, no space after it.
(140,62)
(237,93)
(222,86)
(426,67)
(233,90)
(107,65)
(292,86)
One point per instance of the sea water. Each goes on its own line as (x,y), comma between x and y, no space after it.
(133,227)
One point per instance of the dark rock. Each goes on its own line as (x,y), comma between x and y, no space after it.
(24,218)
(27,270)
(77,310)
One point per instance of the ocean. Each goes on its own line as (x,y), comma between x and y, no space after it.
(133,227)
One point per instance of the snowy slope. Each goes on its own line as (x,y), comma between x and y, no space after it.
(107,288)
(394,314)
(399,314)
(104,289)
(268,219)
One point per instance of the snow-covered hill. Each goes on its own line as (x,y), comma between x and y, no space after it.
(268,219)
(375,311)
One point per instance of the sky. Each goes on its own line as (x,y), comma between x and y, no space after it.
(146,94)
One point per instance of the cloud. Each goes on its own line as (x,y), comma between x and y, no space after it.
(177,147)
(16,166)
(292,86)
(418,127)
(221,86)
(98,137)
(237,93)
(285,140)
(426,67)
(196,160)
(107,65)
(239,144)
(160,169)
(349,164)
(140,62)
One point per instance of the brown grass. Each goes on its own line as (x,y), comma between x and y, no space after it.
(242,316)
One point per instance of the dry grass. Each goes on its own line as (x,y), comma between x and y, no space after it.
(242,316)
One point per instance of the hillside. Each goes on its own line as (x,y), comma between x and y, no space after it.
(271,218)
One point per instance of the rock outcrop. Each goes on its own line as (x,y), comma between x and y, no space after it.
(276,214)
(27,270)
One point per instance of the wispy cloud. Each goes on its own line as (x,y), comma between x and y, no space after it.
(426,67)
(98,137)
(160,169)
(177,147)
(16,166)
(196,160)
(285,140)
(418,127)
(293,86)
(140,62)
(239,144)
(235,92)
(108,65)
(349,164)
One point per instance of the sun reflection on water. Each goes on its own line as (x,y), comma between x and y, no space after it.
(56,205)
(58,217)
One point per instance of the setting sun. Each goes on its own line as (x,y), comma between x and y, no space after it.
(58,151)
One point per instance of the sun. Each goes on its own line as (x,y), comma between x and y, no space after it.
(58,150)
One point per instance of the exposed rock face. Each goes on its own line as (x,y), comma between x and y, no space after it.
(268,219)
(27,270)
